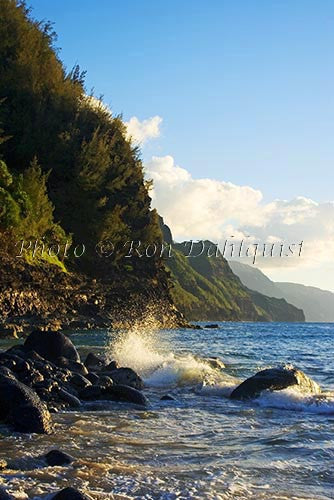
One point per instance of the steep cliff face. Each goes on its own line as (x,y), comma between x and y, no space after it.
(69,172)
(44,296)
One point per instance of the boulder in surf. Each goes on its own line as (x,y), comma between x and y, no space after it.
(125,393)
(51,345)
(126,376)
(275,379)
(22,408)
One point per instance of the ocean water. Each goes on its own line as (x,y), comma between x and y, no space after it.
(202,445)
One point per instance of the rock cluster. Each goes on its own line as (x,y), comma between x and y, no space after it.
(46,374)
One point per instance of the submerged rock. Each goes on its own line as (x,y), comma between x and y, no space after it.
(58,458)
(51,345)
(215,363)
(275,379)
(71,494)
(21,407)
(167,397)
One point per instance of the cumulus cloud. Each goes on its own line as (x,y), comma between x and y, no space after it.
(142,131)
(217,210)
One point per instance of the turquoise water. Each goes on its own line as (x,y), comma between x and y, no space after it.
(202,445)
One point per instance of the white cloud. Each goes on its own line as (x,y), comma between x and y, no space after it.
(142,131)
(216,210)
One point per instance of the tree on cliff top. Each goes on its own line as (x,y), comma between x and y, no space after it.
(96,182)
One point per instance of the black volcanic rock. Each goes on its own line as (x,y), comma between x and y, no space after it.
(126,376)
(58,458)
(51,345)
(125,393)
(21,407)
(275,379)
(70,494)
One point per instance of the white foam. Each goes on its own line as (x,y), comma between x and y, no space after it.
(293,399)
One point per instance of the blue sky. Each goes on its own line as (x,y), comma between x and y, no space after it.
(245,89)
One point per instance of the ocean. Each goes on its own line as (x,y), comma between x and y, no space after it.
(201,445)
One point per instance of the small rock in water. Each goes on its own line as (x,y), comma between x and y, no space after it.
(275,379)
(56,457)
(3,464)
(212,325)
(167,397)
(71,494)
(215,363)
(106,381)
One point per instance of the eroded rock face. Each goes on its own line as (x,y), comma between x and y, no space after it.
(275,379)
(51,345)
(21,407)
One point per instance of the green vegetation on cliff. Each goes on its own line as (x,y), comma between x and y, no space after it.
(206,288)
(68,174)
(71,144)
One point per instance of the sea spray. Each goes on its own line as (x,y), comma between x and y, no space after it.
(148,352)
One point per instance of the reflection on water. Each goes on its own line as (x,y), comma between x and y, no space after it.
(202,445)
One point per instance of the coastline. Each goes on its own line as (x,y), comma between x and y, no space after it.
(190,418)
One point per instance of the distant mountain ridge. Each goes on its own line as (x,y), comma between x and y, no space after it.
(207,289)
(317,304)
